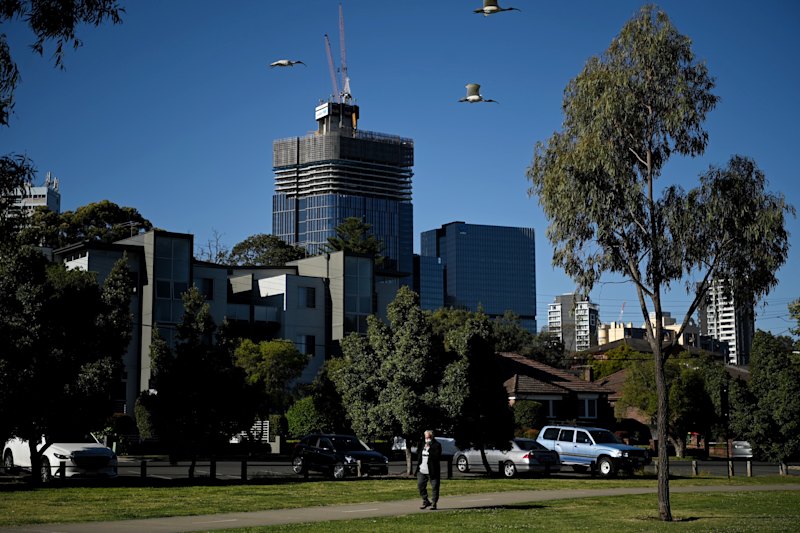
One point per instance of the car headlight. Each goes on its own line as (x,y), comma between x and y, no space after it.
(61,456)
(386,460)
(617,453)
(624,454)
(349,459)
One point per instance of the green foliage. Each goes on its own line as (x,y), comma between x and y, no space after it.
(16,172)
(58,354)
(271,366)
(353,235)
(201,397)
(615,360)
(509,335)
(143,410)
(304,417)
(528,414)
(767,410)
(102,221)
(264,250)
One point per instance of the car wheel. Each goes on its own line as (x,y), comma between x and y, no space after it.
(297,464)
(338,471)
(45,475)
(605,467)
(8,462)
(579,469)
(509,470)
(462,464)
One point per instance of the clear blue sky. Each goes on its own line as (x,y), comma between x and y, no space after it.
(174,111)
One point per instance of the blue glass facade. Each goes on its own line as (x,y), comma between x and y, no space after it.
(492,267)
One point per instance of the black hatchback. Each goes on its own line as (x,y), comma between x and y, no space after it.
(338,456)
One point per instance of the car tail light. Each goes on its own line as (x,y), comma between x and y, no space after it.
(526,456)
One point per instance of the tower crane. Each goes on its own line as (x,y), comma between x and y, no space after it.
(346,95)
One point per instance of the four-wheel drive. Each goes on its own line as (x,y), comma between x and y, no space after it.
(594,449)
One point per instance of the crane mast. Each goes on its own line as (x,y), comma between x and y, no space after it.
(346,95)
(332,71)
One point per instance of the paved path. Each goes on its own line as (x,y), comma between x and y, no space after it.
(361,510)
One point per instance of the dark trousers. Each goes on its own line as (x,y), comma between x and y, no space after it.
(422,485)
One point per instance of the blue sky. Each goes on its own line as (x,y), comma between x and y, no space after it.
(174,111)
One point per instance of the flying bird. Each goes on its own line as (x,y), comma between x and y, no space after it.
(285,63)
(490,7)
(474,95)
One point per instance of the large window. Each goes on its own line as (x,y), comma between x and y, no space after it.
(307,297)
(358,293)
(587,407)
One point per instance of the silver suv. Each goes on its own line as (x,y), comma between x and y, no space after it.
(594,449)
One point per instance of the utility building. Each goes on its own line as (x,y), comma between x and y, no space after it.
(340,172)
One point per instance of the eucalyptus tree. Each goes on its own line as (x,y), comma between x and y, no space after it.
(643,100)
(263,249)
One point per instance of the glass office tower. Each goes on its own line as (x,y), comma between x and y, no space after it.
(340,172)
(465,266)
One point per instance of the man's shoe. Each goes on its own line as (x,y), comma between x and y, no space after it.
(433,507)
(426,504)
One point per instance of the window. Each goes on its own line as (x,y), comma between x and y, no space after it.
(163,289)
(307,297)
(582,438)
(179,287)
(307,344)
(206,287)
(587,408)
(551,434)
(566,435)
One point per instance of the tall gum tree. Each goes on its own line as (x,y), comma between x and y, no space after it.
(643,100)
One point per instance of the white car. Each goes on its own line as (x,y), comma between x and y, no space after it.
(524,456)
(81,454)
(448,445)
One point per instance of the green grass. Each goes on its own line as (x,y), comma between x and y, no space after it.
(20,505)
(734,512)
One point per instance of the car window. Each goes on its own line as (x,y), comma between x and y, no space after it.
(348,444)
(550,434)
(602,436)
(582,437)
(566,435)
(325,443)
(528,444)
(310,441)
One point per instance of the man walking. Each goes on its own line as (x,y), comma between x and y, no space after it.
(429,455)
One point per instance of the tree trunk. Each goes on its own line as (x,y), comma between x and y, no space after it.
(408,456)
(36,461)
(664,510)
(680,446)
(485,460)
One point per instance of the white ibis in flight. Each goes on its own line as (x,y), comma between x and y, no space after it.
(474,95)
(285,63)
(490,7)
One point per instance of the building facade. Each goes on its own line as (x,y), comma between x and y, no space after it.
(723,319)
(312,302)
(575,322)
(471,266)
(340,172)
(47,195)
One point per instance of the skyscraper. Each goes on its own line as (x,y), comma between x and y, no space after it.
(340,172)
(466,266)
(723,319)
(575,322)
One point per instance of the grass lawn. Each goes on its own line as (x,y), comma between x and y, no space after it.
(736,511)
(20,505)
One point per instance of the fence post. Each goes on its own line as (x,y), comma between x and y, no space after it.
(500,468)
(749,468)
(783,470)
(62,469)
(358,468)
(450,468)
(694,468)
(213,468)
(143,468)
(244,469)
(731,471)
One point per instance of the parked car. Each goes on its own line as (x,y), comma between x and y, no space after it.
(595,449)
(742,450)
(337,455)
(449,447)
(81,453)
(523,456)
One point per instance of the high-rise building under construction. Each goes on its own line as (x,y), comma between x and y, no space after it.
(340,172)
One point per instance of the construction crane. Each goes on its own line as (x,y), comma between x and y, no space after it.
(346,95)
(332,70)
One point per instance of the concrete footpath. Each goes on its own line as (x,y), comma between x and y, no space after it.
(361,510)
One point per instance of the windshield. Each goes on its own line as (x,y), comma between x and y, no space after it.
(601,436)
(348,444)
(73,436)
